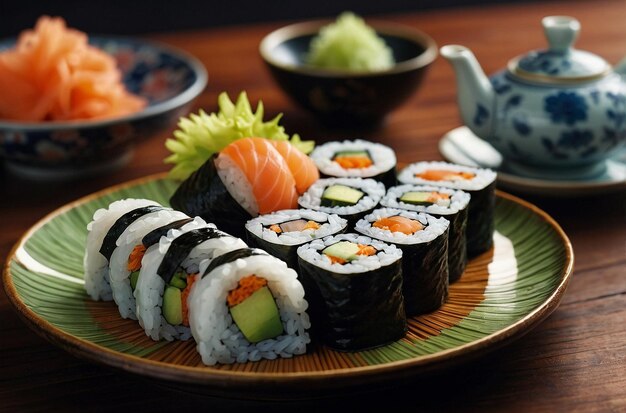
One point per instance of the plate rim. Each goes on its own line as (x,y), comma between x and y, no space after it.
(236,380)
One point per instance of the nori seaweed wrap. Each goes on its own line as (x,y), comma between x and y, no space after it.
(448,203)
(354,288)
(281,233)
(204,194)
(423,240)
(479,183)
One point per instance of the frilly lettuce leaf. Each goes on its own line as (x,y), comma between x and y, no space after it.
(201,135)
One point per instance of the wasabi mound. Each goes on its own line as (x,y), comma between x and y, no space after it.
(349,44)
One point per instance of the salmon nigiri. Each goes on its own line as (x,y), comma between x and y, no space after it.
(301,166)
(267,172)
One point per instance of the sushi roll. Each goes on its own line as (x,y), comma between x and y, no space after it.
(249,177)
(168,271)
(354,287)
(103,232)
(479,183)
(350,198)
(448,203)
(423,240)
(248,305)
(125,262)
(281,233)
(356,159)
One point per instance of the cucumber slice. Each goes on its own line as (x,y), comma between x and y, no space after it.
(257,316)
(340,195)
(172,305)
(134,277)
(416,198)
(345,250)
(179,281)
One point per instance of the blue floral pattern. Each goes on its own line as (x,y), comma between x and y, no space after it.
(481,115)
(575,139)
(566,107)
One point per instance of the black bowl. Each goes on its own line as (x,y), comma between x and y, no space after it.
(344,97)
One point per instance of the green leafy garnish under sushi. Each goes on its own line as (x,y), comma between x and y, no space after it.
(349,43)
(201,135)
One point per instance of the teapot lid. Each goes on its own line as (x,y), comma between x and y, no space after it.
(560,63)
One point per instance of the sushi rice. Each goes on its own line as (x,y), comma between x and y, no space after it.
(151,286)
(218,338)
(96,265)
(383,158)
(118,265)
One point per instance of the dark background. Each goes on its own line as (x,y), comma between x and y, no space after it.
(145,16)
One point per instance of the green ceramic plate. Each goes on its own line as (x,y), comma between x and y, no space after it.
(503,294)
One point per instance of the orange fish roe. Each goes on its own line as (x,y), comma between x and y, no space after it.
(436,196)
(399,224)
(311,225)
(276,228)
(366,250)
(336,260)
(246,287)
(185,295)
(353,162)
(444,175)
(134,259)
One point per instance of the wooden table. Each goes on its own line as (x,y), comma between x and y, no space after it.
(574,361)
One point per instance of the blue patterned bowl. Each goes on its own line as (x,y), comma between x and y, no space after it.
(168,78)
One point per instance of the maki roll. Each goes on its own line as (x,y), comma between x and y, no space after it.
(281,233)
(103,232)
(354,287)
(248,305)
(249,177)
(125,261)
(423,240)
(168,271)
(350,198)
(479,183)
(448,203)
(356,159)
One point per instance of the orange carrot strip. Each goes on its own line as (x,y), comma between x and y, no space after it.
(134,259)
(185,295)
(246,287)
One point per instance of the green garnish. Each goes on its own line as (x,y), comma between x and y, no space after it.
(200,136)
(349,44)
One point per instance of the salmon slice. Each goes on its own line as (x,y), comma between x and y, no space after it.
(399,224)
(444,175)
(301,166)
(267,172)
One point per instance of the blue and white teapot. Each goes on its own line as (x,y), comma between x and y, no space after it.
(559,109)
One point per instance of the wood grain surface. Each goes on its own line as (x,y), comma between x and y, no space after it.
(573,361)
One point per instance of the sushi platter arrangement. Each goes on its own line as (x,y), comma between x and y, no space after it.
(262,259)
(341,266)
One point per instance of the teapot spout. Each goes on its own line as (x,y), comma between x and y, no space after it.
(621,67)
(476,96)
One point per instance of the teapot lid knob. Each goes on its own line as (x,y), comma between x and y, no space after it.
(561,63)
(561,32)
